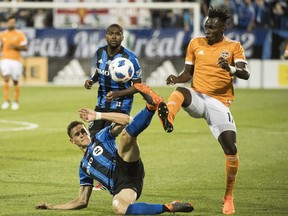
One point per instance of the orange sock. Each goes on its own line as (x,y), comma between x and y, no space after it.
(174,103)
(232,165)
(16,93)
(6,91)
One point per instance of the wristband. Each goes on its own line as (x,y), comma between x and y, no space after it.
(232,70)
(98,115)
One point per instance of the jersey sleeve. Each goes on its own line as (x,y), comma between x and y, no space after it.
(94,66)
(84,179)
(23,40)
(190,57)
(239,54)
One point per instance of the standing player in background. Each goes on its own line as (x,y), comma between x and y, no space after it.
(12,41)
(211,62)
(112,96)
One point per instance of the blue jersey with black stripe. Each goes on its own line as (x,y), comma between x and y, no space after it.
(99,160)
(106,84)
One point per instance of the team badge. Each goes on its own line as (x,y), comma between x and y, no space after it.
(225,54)
(98,150)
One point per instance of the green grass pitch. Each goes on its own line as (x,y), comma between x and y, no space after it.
(188,164)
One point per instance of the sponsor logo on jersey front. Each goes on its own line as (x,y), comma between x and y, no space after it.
(103,72)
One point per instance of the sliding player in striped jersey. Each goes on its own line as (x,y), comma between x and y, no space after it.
(120,167)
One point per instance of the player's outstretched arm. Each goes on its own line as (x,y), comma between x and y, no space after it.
(89,115)
(79,203)
(183,77)
(89,83)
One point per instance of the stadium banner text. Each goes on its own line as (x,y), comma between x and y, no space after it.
(71,51)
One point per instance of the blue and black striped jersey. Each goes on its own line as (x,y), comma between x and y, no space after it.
(99,160)
(106,84)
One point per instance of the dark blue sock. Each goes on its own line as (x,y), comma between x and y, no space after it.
(140,122)
(144,209)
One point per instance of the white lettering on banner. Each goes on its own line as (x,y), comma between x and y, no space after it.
(86,44)
(246,39)
(162,47)
(48,47)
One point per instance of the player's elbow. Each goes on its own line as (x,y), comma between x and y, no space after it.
(247,75)
(244,74)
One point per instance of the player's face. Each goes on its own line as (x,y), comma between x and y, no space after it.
(11,24)
(80,136)
(213,29)
(114,37)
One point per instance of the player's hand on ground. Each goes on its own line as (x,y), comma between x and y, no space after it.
(171,80)
(43,206)
(111,95)
(223,63)
(87,115)
(88,84)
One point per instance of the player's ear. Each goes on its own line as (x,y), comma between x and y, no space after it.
(72,141)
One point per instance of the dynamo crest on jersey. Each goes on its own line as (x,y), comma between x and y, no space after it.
(225,54)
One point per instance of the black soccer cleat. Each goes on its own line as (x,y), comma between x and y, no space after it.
(163,114)
(177,206)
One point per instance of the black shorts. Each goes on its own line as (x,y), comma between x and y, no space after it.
(128,175)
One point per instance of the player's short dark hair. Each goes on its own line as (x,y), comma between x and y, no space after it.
(72,125)
(221,13)
(115,25)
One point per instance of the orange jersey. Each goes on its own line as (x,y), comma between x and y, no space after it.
(208,77)
(14,37)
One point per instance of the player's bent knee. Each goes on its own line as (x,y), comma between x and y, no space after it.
(187,96)
(119,208)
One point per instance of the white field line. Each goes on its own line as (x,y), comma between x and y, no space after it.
(22,125)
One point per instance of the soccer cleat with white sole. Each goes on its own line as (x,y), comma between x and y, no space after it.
(15,106)
(5,105)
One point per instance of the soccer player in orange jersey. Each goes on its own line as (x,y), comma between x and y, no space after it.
(211,62)
(12,41)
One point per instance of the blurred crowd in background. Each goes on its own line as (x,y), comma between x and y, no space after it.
(245,14)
